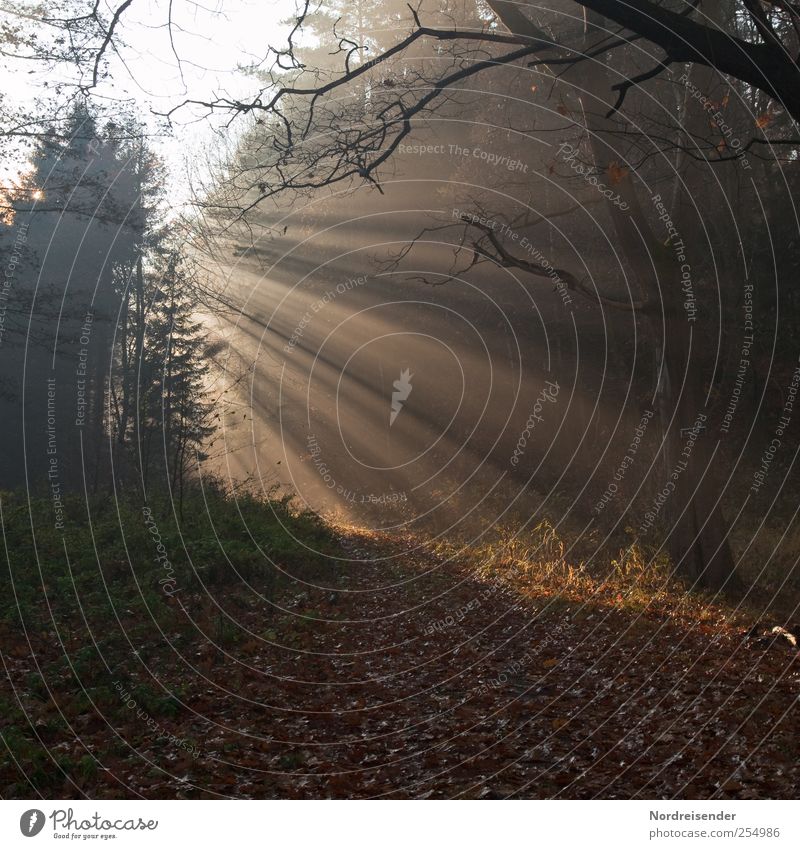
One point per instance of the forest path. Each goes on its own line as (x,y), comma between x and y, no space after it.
(413,678)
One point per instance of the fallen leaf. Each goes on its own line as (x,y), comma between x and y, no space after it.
(616,173)
(764,120)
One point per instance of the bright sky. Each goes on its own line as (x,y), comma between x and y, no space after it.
(213,42)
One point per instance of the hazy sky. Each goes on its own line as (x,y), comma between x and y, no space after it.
(213,42)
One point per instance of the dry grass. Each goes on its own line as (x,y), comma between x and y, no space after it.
(535,563)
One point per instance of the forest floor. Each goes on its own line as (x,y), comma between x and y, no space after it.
(406,675)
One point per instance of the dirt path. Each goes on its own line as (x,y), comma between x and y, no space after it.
(410,678)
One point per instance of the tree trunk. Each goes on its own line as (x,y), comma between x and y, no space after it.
(696,532)
(696,529)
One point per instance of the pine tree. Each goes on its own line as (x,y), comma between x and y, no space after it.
(173,413)
(57,366)
(142,179)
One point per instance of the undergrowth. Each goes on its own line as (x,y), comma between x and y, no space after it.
(125,587)
(538,562)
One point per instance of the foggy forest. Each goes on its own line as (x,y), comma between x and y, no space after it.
(399,400)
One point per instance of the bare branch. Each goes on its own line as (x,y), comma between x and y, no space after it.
(505,258)
(624,87)
(109,35)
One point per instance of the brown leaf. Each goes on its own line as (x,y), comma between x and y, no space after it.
(616,173)
(764,120)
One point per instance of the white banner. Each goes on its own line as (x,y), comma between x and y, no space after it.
(393,825)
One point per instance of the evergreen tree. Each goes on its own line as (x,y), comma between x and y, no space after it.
(104,371)
(173,415)
(55,367)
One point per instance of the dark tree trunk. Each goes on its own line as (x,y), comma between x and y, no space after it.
(697,533)
(696,529)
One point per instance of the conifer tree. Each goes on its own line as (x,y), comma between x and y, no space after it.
(56,366)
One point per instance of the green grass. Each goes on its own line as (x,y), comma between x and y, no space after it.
(107,546)
(85,606)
